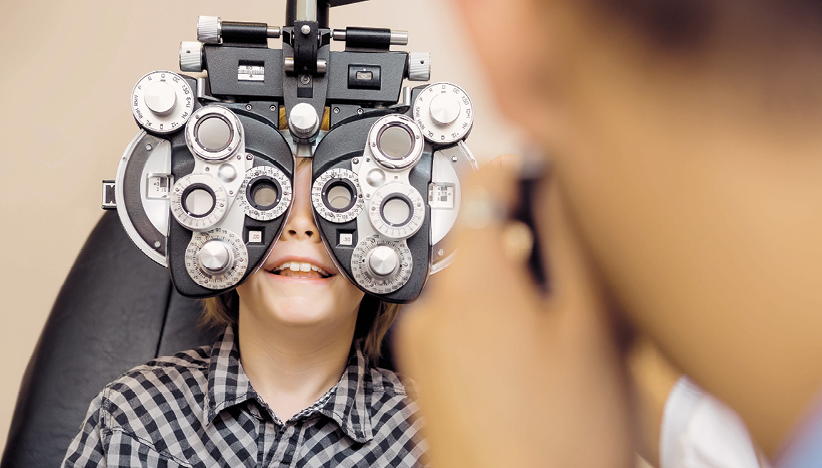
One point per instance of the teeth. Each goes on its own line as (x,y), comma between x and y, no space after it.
(301,266)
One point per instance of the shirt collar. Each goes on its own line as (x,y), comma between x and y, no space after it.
(228,384)
(347,403)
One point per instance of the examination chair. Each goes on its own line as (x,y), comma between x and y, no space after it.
(116,310)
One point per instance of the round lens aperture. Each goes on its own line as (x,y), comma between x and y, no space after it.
(396,211)
(214,133)
(198,202)
(339,196)
(264,193)
(395,142)
(336,195)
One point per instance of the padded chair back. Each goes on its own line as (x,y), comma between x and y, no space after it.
(116,310)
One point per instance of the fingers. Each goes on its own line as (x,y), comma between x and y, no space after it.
(471,324)
(487,353)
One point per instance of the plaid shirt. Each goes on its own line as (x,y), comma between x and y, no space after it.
(198,409)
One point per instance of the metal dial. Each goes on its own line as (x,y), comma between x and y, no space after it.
(444,113)
(214,133)
(162,102)
(419,66)
(303,121)
(383,261)
(396,142)
(336,195)
(265,193)
(198,201)
(397,210)
(362,267)
(216,259)
(191,56)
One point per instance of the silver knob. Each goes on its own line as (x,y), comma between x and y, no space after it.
(160,98)
(445,108)
(191,56)
(419,66)
(209,29)
(215,257)
(399,37)
(303,122)
(227,173)
(383,261)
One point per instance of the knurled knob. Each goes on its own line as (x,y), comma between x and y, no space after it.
(303,121)
(383,261)
(191,56)
(419,66)
(209,29)
(215,257)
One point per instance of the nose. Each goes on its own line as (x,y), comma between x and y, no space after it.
(300,224)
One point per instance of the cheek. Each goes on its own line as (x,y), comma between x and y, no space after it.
(347,296)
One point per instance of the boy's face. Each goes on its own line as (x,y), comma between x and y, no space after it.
(299,284)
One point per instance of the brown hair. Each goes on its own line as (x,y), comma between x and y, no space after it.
(688,24)
(374,318)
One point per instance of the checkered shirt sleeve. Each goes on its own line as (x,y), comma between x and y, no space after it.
(197,409)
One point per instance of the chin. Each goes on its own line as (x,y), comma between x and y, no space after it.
(302,310)
(299,302)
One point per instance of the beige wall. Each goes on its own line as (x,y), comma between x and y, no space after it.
(66,73)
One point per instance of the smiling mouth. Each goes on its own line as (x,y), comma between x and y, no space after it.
(300,270)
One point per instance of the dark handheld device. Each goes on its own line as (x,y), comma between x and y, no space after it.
(205,187)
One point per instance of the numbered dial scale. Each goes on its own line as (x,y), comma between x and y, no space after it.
(162,102)
(336,195)
(381,266)
(265,193)
(397,211)
(198,201)
(216,259)
(444,113)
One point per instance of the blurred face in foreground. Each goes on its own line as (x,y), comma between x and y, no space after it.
(690,157)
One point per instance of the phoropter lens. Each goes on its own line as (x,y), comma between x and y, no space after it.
(264,194)
(396,211)
(199,202)
(213,133)
(395,142)
(339,196)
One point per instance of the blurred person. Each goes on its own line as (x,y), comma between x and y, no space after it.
(292,381)
(682,200)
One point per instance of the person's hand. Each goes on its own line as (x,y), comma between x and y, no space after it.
(506,377)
